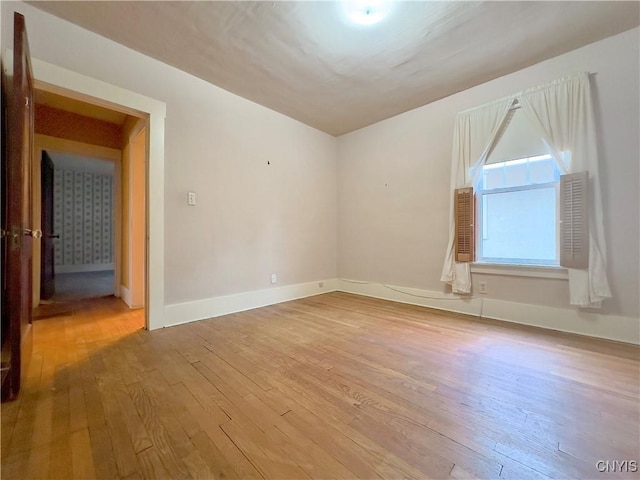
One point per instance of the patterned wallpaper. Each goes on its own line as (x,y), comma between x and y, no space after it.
(83,217)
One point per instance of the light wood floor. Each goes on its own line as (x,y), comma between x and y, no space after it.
(333,386)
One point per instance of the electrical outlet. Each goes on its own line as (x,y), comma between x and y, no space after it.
(191,198)
(274,278)
(482,287)
(320,284)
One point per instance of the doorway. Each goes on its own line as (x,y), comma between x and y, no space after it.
(89,201)
(77,254)
(74,85)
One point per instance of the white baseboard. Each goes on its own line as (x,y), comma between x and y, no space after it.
(571,320)
(180,313)
(413,296)
(93,267)
(125,294)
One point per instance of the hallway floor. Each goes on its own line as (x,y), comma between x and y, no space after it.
(77,286)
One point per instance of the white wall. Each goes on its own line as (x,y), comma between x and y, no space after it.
(393,183)
(252,219)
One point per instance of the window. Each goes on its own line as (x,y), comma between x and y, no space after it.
(517,196)
(517,209)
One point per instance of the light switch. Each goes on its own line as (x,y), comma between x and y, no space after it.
(191,198)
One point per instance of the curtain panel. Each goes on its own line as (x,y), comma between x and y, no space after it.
(561,113)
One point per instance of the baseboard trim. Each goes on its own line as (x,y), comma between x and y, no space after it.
(181,313)
(569,320)
(88,267)
(125,294)
(413,296)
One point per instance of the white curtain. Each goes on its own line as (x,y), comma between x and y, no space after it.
(474,136)
(560,112)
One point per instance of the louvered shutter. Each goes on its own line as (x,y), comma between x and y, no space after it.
(574,221)
(464,212)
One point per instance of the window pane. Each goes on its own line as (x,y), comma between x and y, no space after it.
(493,176)
(543,170)
(520,226)
(516,173)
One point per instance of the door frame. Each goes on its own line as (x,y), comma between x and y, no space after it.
(47,143)
(47,263)
(75,85)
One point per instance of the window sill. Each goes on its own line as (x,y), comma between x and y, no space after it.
(538,271)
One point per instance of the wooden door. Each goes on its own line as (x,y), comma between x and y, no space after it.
(47,284)
(17,215)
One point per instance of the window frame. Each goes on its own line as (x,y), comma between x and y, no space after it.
(481,194)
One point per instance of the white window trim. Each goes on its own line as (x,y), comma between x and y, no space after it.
(538,271)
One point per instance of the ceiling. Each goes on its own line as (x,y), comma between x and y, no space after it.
(305,60)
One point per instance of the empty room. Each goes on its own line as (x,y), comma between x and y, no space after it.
(333,239)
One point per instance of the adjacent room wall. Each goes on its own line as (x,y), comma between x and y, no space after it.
(83,217)
(394,177)
(132,200)
(265,184)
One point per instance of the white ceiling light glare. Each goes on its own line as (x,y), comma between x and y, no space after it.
(366,12)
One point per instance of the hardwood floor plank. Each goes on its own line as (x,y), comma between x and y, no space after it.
(81,456)
(384,463)
(136,428)
(173,415)
(60,459)
(307,455)
(43,423)
(151,467)
(15,466)
(39,461)
(268,459)
(121,441)
(197,467)
(77,411)
(146,406)
(342,448)
(104,457)
(214,460)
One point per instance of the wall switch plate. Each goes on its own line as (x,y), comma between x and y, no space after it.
(274,278)
(191,198)
(482,287)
